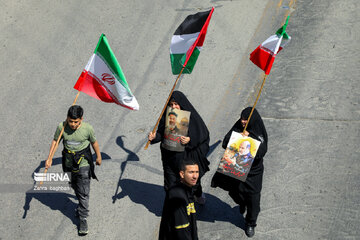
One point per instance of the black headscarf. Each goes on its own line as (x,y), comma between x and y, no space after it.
(253,183)
(255,127)
(198,146)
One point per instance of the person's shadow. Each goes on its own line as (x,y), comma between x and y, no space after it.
(130,157)
(60,201)
(216,210)
(55,200)
(152,196)
(149,195)
(213,147)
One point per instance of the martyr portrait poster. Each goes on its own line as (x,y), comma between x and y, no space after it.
(239,156)
(176,125)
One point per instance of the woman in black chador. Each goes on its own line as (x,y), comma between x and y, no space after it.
(246,194)
(196,145)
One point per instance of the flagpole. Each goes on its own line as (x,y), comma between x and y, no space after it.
(257,98)
(60,135)
(262,85)
(163,110)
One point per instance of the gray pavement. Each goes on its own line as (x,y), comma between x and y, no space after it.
(310,106)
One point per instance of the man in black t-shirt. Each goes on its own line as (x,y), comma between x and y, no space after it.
(178,219)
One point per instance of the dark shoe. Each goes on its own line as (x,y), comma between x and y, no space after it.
(77,213)
(83,228)
(249,231)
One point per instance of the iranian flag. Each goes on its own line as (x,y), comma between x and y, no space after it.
(187,41)
(264,55)
(103,78)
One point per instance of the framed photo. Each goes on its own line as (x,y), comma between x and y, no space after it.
(176,125)
(239,156)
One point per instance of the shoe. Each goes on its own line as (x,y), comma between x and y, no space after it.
(249,231)
(201,200)
(77,213)
(242,209)
(83,228)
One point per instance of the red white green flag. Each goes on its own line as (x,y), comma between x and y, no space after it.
(103,78)
(264,55)
(187,41)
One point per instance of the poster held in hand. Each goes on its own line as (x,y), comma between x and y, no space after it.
(239,156)
(176,125)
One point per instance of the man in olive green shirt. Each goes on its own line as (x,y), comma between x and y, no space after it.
(77,158)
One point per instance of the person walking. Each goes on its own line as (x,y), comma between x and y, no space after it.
(246,194)
(196,145)
(77,159)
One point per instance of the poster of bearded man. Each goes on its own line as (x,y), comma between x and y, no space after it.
(176,125)
(239,156)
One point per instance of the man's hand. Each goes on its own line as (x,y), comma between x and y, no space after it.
(53,147)
(98,161)
(151,136)
(48,163)
(95,146)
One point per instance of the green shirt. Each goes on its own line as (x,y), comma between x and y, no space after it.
(76,140)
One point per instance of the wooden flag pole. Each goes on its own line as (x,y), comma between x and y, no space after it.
(257,98)
(163,110)
(262,85)
(60,135)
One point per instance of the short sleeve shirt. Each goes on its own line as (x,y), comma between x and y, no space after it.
(76,140)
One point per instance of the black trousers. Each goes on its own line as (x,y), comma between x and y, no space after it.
(252,203)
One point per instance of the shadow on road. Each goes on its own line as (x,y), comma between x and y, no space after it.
(152,197)
(54,200)
(213,147)
(147,194)
(217,210)
(132,157)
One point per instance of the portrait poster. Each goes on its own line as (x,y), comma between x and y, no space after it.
(176,125)
(239,156)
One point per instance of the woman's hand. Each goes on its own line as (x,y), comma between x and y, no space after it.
(151,136)
(184,140)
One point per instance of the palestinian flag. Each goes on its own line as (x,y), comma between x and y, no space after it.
(264,55)
(103,78)
(188,40)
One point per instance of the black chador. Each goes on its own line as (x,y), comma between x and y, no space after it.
(196,149)
(178,221)
(246,194)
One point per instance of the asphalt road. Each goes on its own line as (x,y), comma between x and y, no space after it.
(309,103)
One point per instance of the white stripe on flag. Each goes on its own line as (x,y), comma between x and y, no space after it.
(98,67)
(180,44)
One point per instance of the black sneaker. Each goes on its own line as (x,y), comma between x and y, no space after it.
(249,231)
(83,228)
